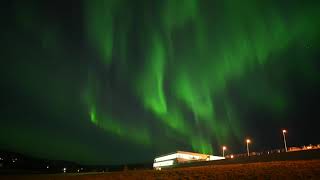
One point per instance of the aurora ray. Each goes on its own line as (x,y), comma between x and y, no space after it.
(155,76)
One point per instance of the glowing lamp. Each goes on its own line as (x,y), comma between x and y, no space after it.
(284,131)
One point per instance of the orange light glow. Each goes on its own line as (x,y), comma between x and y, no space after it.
(248,140)
(224,147)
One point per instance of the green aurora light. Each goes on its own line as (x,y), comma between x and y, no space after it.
(191,53)
(162,75)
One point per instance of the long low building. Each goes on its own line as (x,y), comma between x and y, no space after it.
(176,158)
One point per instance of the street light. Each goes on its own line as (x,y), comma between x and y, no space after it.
(248,141)
(284,139)
(223,149)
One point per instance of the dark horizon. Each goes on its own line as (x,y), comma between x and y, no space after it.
(120,81)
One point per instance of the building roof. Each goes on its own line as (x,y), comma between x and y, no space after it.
(183,152)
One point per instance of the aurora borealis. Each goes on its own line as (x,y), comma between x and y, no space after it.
(89,81)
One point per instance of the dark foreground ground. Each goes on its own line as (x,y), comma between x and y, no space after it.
(298,169)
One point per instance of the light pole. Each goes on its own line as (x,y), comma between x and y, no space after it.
(248,141)
(284,139)
(223,149)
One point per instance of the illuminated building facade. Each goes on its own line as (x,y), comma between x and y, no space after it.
(173,159)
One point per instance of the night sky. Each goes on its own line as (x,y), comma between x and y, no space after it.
(122,81)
